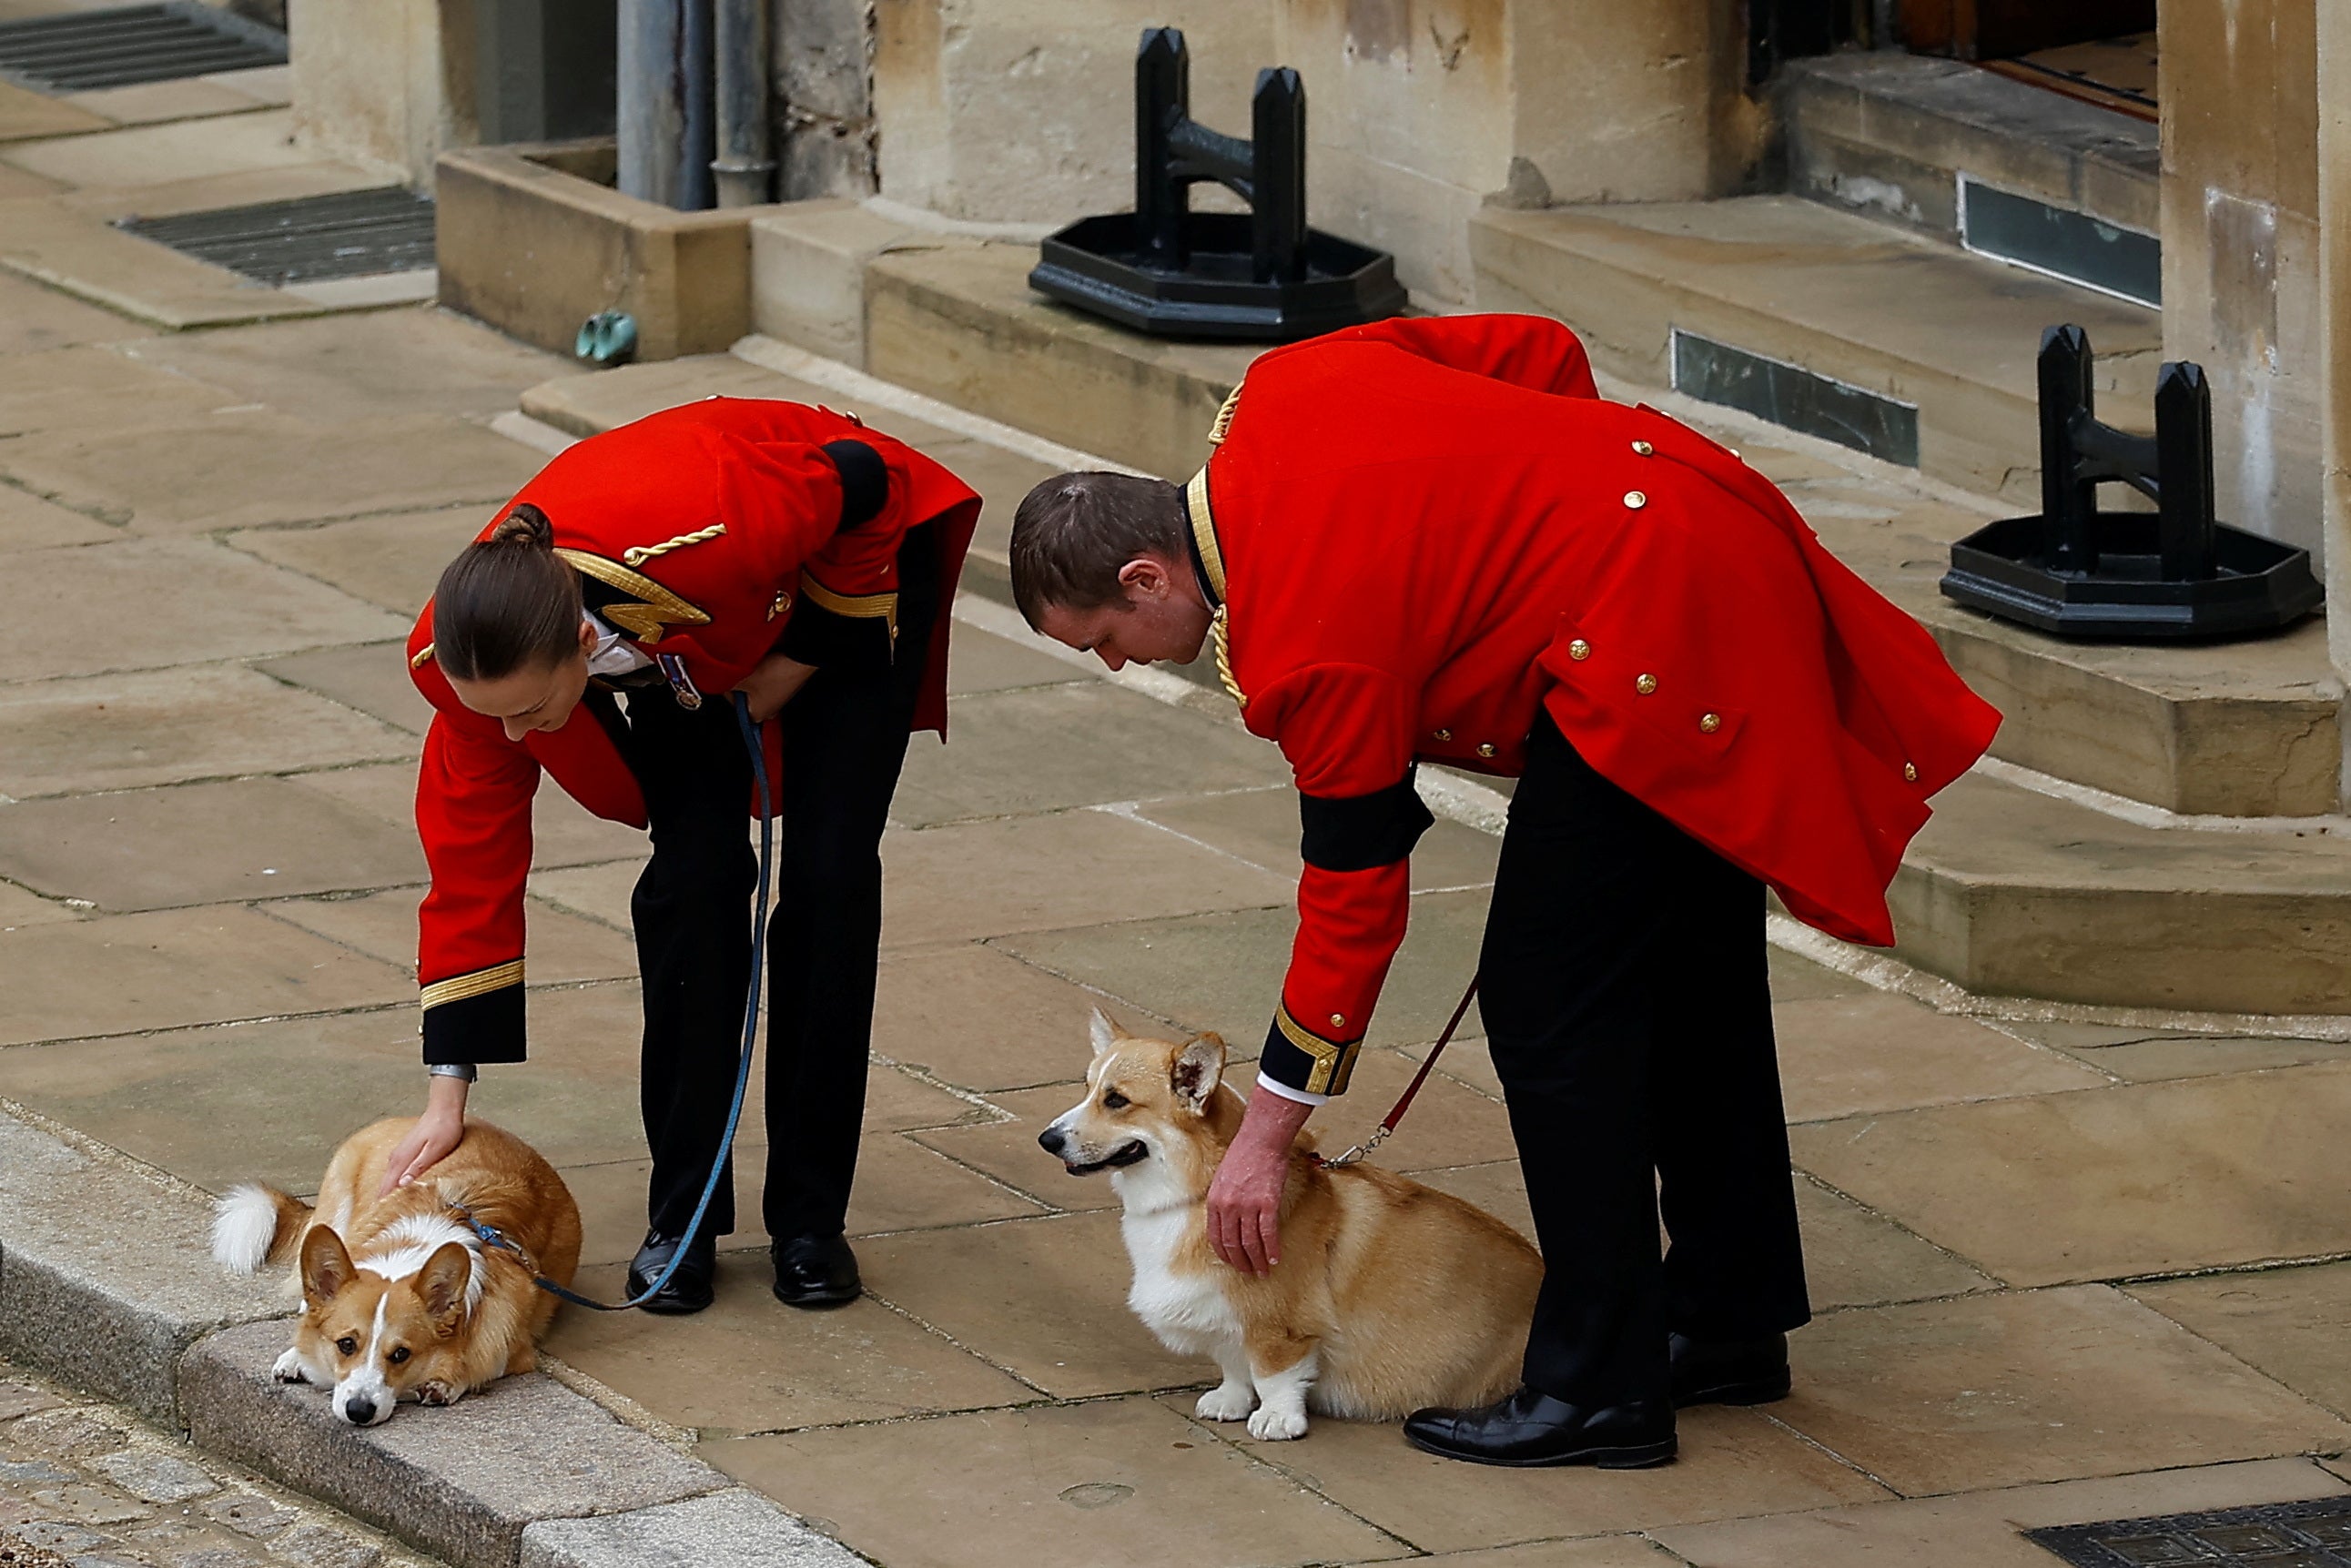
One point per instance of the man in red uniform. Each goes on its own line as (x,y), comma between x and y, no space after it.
(783,550)
(1431,540)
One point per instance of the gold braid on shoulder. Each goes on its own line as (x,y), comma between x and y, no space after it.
(1225,657)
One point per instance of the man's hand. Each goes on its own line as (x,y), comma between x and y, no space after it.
(1245,1198)
(439,1131)
(773,681)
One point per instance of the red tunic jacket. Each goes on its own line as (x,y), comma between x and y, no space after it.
(1421,529)
(709,535)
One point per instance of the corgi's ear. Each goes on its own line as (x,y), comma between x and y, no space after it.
(1199,1067)
(440,1283)
(1105,1033)
(326,1265)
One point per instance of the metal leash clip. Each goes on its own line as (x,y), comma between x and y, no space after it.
(1356,1152)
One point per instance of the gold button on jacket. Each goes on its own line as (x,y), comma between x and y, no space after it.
(1645,684)
(1443,734)
(1579,650)
(1710,723)
(1634,499)
(1485,748)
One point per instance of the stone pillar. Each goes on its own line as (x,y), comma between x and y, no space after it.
(2240,247)
(2333,352)
(823,70)
(1419,111)
(1023,110)
(388,83)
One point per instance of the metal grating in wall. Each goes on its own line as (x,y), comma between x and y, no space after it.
(348,235)
(82,50)
(2314,1534)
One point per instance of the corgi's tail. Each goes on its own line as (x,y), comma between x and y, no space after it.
(253,1225)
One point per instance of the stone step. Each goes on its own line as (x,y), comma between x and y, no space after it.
(1897,135)
(1844,327)
(2011,893)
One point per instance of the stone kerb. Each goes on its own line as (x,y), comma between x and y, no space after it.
(106,1272)
(733,1529)
(464,1482)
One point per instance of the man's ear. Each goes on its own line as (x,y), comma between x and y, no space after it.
(1104,1032)
(1144,577)
(326,1265)
(1199,1067)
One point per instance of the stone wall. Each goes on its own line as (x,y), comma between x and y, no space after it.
(822,74)
(388,83)
(1023,110)
(2333,355)
(2240,247)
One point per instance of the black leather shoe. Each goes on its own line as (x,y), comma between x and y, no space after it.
(688,1289)
(1753,1371)
(816,1272)
(1529,1429)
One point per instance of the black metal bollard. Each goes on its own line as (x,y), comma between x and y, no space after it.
(1167,270)
(2079,571)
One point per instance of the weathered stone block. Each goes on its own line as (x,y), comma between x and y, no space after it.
(106,1277)
(732,1529)
(808,274)
(462,1482)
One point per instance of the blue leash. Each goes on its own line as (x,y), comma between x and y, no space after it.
(493,1237)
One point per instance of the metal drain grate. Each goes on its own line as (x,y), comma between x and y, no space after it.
(345,235)
(87,50)
(2276,1535)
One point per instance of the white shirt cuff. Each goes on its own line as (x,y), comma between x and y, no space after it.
(1304,1096)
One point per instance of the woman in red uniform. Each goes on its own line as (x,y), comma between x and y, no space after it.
(596,632)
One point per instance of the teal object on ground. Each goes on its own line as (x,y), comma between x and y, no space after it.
(607,338)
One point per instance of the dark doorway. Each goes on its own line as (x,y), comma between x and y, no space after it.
(2003,29)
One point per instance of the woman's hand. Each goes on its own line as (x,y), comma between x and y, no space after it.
(773,681)
(437,1131)
(1245,1198)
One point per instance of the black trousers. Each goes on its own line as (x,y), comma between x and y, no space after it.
(844,740)
(1628,1007)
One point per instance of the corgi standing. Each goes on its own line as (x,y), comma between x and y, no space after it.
(1391,1295)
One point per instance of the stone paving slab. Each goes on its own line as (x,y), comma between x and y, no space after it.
(1853,1055)
(462,1483)
(195,602)
(393,560)
(1114,1481)
(563,831)
(1983,1530)
(2141,1179)
(177,968)
(1733,1463)
(980,1019)
(21,906)
(163,155)
(563,947)
(1995,1390)
(92,387)
(371,677)
(751,1364)
(1102,745)
(149,728)
(1261,827)
(732,1529)
(414,359)
(1044,1299)
(102,847)
(106,1275)
(30,523)
(25,114)
(244,469)
(2292,1323)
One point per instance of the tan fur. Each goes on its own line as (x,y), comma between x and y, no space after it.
(450,1350)
(1405,1296)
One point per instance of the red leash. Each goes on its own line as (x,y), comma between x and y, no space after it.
(1428,1063)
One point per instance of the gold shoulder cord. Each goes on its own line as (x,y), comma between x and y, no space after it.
(1225,658)
(637,555)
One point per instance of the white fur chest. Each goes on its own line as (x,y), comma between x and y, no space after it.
(1185,1308)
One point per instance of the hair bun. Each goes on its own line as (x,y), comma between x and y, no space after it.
(527,524)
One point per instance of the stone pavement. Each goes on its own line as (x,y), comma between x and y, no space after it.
(2062,1273)
(87,1485)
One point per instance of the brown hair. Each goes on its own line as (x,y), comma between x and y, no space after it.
(507,601)
(1075,532)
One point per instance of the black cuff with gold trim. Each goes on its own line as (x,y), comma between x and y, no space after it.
(475,1018)
(1362,831)
(836,629)
(1298,1058)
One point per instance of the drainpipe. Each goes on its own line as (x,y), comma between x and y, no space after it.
(744,171)
(665,91)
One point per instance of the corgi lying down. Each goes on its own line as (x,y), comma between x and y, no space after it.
(401,1297)
(1390,1295)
